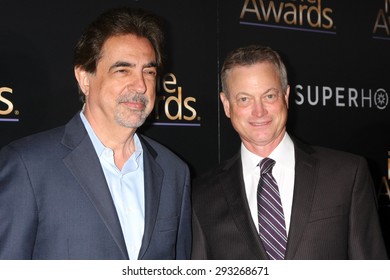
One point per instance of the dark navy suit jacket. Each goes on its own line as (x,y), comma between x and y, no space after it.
(55,202)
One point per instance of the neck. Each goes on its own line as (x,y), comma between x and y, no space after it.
(118,138)
(264,149)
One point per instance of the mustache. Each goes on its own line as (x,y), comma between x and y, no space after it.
(133,97)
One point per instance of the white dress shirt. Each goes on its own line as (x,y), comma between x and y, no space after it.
(126,188)
(283,172)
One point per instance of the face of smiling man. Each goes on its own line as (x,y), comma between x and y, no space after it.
(122,91)
(257,106)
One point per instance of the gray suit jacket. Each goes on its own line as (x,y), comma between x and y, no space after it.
(334,214)
(55,202)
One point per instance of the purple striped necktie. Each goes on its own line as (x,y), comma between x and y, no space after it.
(272,227)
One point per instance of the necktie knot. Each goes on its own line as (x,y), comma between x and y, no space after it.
(266,165)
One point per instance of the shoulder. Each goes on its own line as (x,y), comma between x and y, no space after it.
(329,157)
(340,161)
(34,151)
(324,152)
(49,140)
(220,172)
(41,142)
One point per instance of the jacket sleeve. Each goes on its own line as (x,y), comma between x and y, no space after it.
(184,239)
(18,209)
(365,235)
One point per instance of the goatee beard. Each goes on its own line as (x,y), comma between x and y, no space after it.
(124,117)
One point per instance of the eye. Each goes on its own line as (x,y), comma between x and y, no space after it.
(121,70)
(150,72)
(243,101)
(270,97)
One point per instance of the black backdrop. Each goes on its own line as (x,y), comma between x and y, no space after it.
(337,55)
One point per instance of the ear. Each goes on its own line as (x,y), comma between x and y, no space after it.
(225,103)
(286,96)
(82,78)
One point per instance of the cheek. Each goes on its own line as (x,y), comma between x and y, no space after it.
(151,91)
(239,115)
(281,114)
(104,90)
(150,87)
(151,96)
(152,99)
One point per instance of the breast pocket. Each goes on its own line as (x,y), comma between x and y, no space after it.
(327,213)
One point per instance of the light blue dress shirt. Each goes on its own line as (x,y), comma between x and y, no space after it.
(127,189)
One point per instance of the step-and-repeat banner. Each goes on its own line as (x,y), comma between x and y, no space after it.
(337,55)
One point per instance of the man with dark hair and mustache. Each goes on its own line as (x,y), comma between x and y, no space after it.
(94,188)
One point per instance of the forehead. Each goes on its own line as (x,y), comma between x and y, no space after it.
(256,76)
(128,46)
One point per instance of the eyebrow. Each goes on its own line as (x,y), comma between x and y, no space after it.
(265,92)
(131,65)
(271,89)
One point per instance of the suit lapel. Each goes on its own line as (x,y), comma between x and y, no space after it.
(153,176)
(84,164)
(232,183)
(304,187)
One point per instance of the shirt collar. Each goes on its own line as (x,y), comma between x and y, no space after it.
(98,145)
(282,154)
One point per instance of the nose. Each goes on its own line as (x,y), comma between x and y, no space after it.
(138,83)
(258,109)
